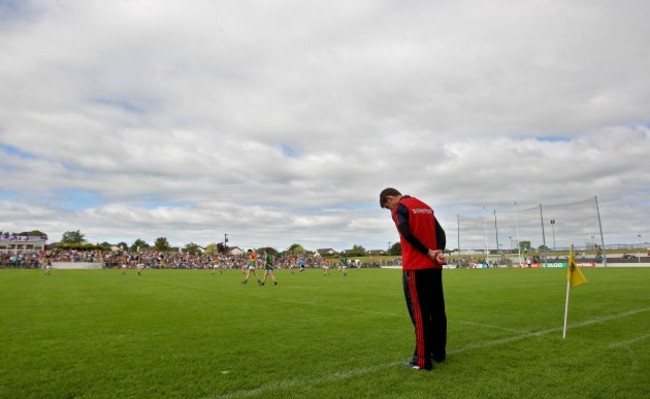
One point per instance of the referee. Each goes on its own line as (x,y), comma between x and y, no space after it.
(423,241)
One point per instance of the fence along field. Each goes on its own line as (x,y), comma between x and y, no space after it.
(194,334)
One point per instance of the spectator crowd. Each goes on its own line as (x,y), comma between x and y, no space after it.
(169,260)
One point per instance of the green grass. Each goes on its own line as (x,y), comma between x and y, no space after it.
(192,334)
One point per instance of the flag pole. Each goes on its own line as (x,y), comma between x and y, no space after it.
(566,308)
(568,293)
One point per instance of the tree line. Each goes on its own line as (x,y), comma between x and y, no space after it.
(76,240)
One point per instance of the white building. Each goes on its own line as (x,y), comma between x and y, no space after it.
(14,243)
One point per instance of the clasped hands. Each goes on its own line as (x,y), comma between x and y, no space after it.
(437,255)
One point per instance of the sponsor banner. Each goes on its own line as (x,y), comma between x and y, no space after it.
(77,265)
(554,264)
(563,264)
(528,266)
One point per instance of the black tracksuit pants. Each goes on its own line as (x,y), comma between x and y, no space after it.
(426,305)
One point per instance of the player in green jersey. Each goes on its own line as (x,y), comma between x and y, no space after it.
(268,266)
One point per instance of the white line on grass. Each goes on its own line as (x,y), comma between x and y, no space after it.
(634,361)
(550,330)
(365,370)
(471,323)
(308,381)
(626,343)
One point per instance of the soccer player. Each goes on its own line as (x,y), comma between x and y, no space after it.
(423,241)
(268,266)
(326,267)
(292,264)
(217,265)
(48,266)
(124,263)
(251,266)
(343,267)
(138,268)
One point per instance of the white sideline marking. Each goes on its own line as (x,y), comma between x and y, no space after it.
(471,323)
(294,383)
(365,370)
(626,343)
(550,330)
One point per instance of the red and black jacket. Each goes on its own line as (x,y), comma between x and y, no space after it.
(419,231)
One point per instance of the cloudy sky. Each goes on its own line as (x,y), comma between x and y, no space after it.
(279,122)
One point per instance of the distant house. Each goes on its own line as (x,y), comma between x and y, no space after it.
(235,251)
(377,252)
(325,252)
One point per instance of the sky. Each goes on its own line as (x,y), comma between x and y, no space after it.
(280,122)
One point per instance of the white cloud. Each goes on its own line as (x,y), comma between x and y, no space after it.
(281,122)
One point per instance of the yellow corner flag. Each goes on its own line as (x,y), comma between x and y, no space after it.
(574,274)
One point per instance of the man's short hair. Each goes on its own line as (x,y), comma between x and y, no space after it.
(385,193)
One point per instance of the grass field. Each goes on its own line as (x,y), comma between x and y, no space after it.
(194,334)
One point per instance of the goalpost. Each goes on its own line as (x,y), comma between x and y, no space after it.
(543,230)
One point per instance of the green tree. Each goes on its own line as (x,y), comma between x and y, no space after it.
(395,249)
(270,250)
(72,237)
(296,249)
(161,244)
(524,246)
(211,249)
(79,247)
(105,246)
(357,250)
(192,249)
(138,245)
(221,248)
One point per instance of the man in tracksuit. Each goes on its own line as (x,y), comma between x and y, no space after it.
(423,241)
